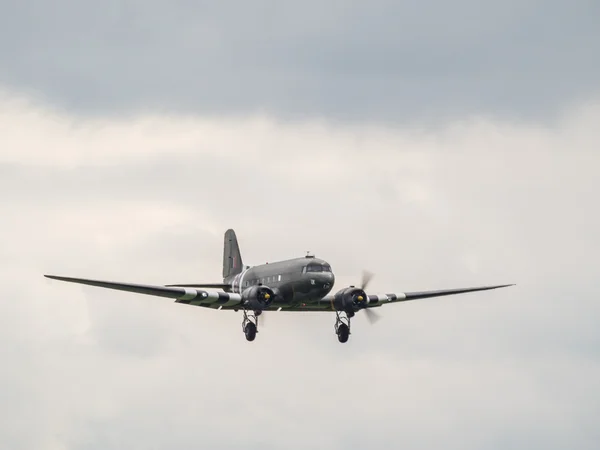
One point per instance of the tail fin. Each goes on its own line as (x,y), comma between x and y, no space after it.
(232,259)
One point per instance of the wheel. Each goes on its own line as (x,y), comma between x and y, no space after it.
(250,331)
(343,333)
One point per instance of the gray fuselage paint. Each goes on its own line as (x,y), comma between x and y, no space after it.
(288,279)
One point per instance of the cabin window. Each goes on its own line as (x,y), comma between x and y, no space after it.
(317,268)
(279,278)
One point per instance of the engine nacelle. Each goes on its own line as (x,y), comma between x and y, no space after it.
(257,298)
(350,300)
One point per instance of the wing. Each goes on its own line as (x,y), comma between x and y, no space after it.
(325,304)
(202,285)
(188,295)
(378,299)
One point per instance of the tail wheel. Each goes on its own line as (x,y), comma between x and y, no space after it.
(250,331)
(343,332)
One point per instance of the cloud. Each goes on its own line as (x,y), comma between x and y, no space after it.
(147,198)
(381,61)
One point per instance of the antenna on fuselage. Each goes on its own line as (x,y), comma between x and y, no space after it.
(309,254)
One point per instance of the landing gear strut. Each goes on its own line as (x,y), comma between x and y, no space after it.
(250,324)
(342,325)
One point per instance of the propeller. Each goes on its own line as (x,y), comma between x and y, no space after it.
(366,279)
(372,316)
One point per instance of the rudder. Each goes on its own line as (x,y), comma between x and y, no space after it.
(232,258)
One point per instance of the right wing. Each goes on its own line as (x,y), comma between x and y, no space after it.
(199,297)
(377,300)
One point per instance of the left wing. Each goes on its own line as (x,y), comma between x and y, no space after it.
(199,297)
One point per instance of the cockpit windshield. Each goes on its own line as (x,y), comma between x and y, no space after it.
(317,268)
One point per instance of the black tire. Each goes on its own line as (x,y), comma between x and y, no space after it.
(343,333)
(250,331)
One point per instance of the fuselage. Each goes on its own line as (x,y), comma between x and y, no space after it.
(293,281)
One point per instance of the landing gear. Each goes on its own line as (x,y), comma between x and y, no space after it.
(250,324)
(250,331)
(342,325)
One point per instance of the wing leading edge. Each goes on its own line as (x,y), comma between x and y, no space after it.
(378,299)
(216,299)
(187,295)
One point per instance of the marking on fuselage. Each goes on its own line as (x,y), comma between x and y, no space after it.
(241,286)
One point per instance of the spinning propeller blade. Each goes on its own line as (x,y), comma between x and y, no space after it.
(372,316)
(366,278)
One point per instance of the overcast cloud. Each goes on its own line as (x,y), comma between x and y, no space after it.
(147,199)
(377,60)
(133,134)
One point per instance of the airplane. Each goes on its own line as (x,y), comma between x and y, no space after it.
(299,284)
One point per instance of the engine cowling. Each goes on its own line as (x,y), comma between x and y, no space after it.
(350,299)
(257,298)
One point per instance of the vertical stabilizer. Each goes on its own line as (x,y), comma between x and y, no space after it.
(232,259)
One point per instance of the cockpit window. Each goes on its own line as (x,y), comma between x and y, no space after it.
(317,268)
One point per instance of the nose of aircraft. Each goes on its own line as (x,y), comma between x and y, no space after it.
(324,280)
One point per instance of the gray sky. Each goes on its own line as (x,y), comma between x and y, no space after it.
(377,60)
(125,154)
